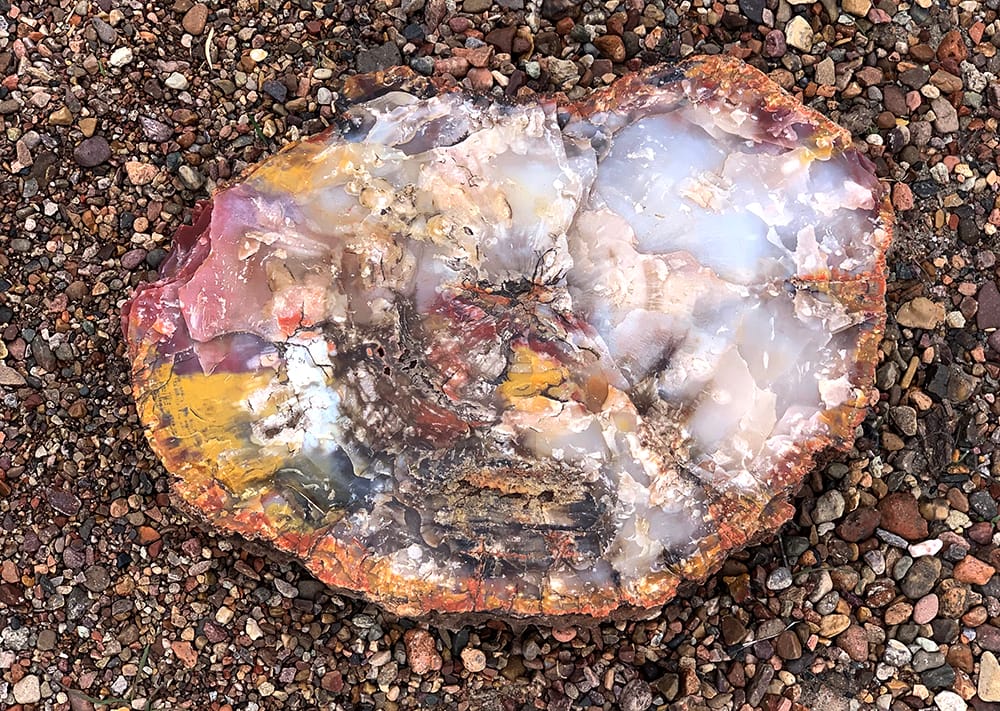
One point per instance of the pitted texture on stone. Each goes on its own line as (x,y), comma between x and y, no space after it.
(533,359)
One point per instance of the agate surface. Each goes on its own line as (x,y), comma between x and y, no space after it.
(529,359)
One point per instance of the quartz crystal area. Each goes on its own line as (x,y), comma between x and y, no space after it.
(527,359)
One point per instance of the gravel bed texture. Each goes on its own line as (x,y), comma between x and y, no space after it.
(118,115)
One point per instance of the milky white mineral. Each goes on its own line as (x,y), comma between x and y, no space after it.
(530,359)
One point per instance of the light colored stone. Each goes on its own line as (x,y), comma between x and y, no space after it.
(799,34)
(28,690)
(921,312)
(949,701)
(120,57)
(140,173)
(832,625)
(988,687)
(829,507)
(177,81)
(858,8)
(825,72)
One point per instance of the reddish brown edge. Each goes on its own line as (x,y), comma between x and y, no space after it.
(742,520)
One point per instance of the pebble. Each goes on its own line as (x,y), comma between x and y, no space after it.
(988,311)
(421,652)
(920,312)
(91,152)
(829,507)
(931,546)
(779,579)
(949,701)
(195,19)
(854,641)
(799,34)
(832,625)
(896,653)
(974,571)
(27,690)
(926,609)
(988,686)
(176,80)
(474,660)
(635,696)
(859,524)
(120,57)
(140,173)
(921,577)
(900,514)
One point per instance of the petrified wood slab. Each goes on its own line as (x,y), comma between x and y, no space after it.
(535,359)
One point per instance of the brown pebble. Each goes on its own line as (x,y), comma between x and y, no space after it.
(902,196)
(421,651)
(900,515)
(612,47)
(952,47)
(195,19)
(973,571)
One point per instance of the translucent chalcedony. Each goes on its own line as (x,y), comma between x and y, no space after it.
(537,359)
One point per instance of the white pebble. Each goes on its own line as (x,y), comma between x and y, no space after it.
(120,57)
(176,80)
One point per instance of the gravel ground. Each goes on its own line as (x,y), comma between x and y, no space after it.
(118,115)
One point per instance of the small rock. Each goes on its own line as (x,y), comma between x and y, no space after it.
(854,641)
(945,115)
(988,687)
(191,178)
(155,130)
(185,653)
(799,34)
(636,696)
(926,609)
(379,58)
(61,117)
(105,32)
(896,653)
(949,701)
(733,631)
(65,502)
(829,507)
(900,515)
(832,625)
(788,646)
(921,312)
(973,571)
(825,73)
(921,577)
(140,173)
(92,152)
(611,46)
(96,579)
(859,524)
(28,690)
(474,660)
(779,579)
(176,80)
(952,47)
(421,652)
(120,57)
(858,8)
(988,314)
(905,418)
(87,126)
(195,19)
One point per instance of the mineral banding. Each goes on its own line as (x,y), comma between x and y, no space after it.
(529,359)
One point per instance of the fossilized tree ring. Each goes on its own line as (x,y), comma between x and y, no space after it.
(531,359)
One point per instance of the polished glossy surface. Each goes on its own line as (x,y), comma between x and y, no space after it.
(535,359)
